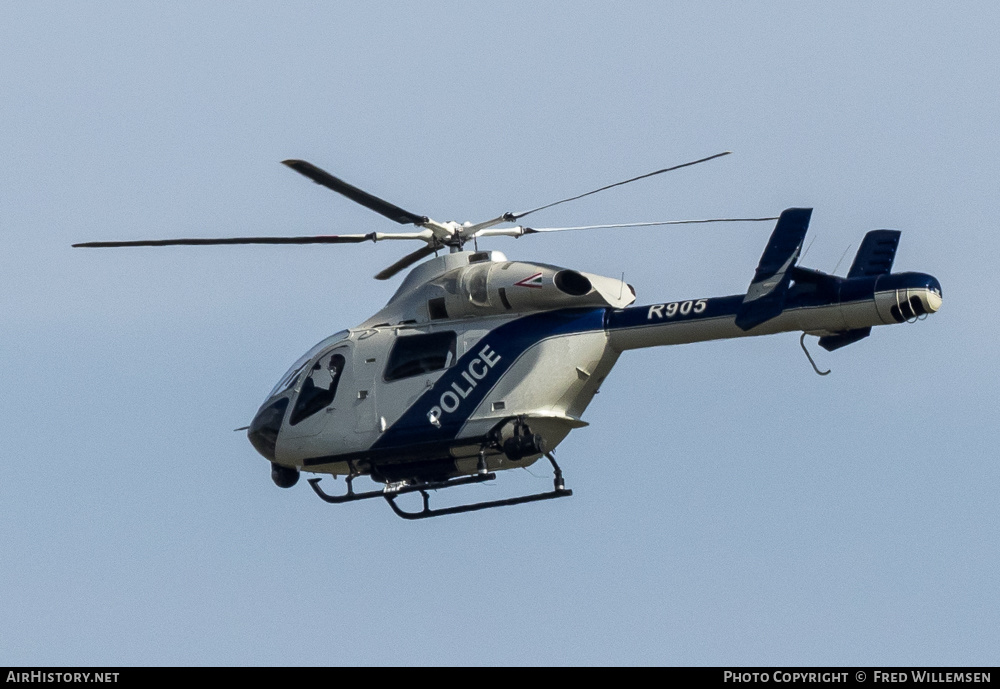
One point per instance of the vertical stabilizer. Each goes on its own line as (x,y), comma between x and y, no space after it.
(765,297)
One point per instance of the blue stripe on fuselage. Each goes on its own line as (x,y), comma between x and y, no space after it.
(803,295)
(657,314)
(483,365)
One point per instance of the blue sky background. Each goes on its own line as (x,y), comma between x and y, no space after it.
(730,506)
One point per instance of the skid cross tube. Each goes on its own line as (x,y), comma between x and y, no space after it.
(388,495)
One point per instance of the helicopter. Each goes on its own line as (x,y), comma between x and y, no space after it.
(478,364)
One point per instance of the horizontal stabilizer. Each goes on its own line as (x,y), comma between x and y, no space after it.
(875,256)
(765,297)
(832,342)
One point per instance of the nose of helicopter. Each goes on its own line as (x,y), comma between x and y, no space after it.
(263,431)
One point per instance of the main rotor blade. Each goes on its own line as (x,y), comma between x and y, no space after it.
(406,261)
(533,230)
(521,231)
(320,239)
(380,206)
(510,217)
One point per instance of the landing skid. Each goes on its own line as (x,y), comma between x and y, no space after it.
(392,491)
(351,496)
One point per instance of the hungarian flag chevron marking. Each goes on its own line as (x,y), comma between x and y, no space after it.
(535,281)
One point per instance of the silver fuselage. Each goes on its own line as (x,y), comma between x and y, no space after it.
(504,341)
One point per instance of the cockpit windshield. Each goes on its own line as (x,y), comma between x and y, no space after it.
(290,378)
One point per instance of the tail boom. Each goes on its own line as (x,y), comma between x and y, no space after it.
(822,305)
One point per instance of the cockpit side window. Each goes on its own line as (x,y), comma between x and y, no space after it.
(320,386)
(415,354)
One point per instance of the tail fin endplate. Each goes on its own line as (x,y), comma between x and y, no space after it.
(874,257)
(876,254)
